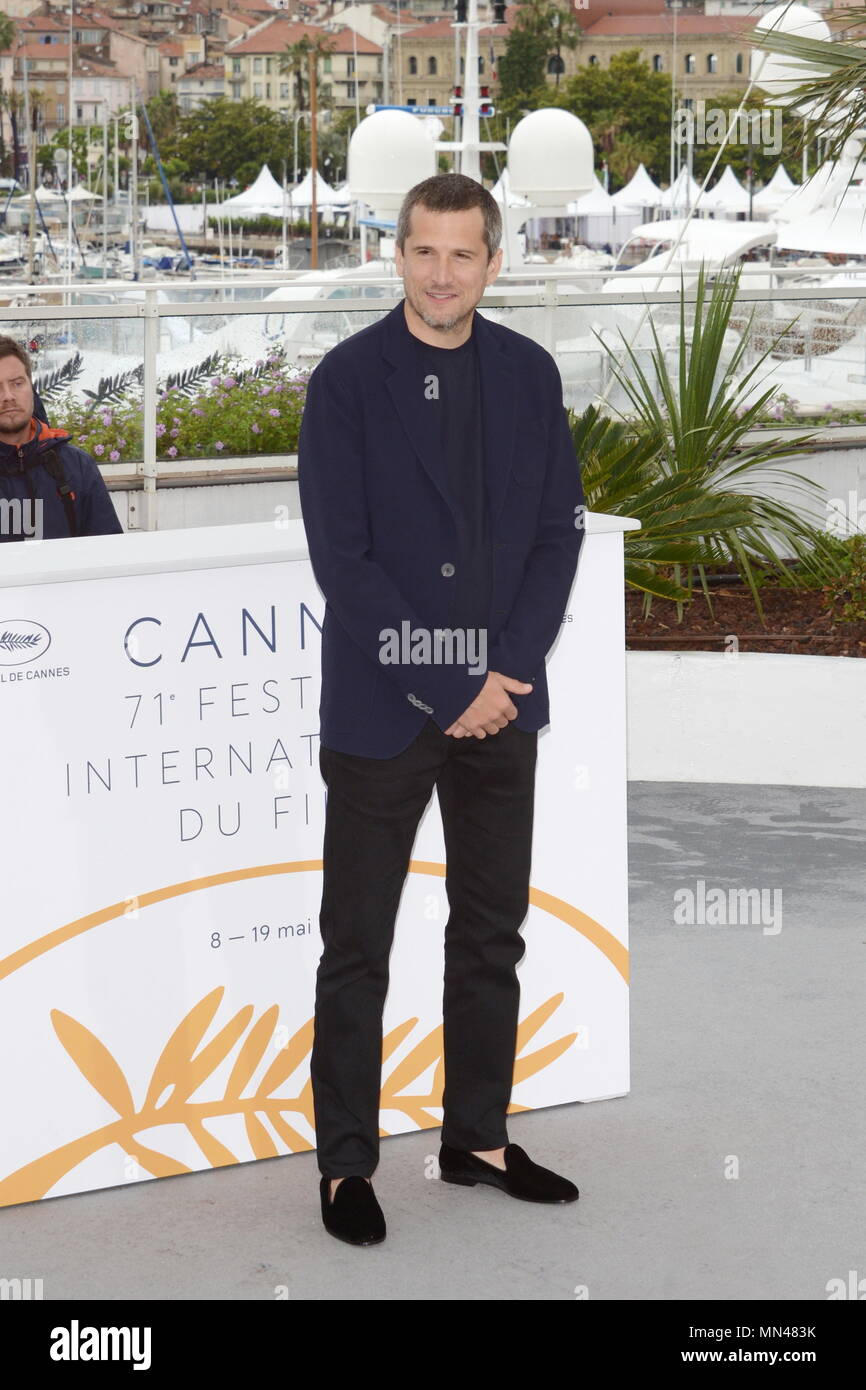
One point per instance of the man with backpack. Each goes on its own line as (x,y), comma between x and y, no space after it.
(48,487)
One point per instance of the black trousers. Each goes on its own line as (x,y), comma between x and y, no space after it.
(486,790)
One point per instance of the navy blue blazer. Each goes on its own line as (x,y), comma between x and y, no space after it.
(382,534)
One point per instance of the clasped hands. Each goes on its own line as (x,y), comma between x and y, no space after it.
(492,709)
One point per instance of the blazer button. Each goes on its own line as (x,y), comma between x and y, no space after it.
(447,569)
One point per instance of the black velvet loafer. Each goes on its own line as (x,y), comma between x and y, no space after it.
(521,1177)
(354,1215)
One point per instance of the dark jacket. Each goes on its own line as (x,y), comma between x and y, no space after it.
(382,534)
(25,475)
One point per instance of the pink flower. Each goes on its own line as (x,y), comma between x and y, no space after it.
(121,443)
(172,453)
(219,444)
(273,412)
(196,411)
(265,391)
(257,429)
(114,456)
(174,433)
(100,449)
(160,429)
(228,382)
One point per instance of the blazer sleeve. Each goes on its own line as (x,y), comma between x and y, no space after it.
(363,597)
(536,614)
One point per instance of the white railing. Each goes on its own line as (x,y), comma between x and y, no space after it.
(549,290)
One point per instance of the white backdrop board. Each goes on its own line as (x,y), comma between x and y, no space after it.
(162,824)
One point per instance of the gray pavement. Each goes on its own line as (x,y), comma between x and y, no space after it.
(747,1054)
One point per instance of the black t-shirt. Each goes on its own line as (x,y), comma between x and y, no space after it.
(454,401)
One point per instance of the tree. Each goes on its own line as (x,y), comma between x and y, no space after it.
(627,109)
(164,114)
(230,139)
(540,30)
(295,62)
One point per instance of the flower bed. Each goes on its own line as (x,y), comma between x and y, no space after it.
(211,409)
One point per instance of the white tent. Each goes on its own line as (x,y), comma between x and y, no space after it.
(682,192)
(264,195)
(47,195)
(727,197)
(823,189)
(639,192)
(839,231)
(302,194)
(596,203)
(80,194)
(502,188)
(775,193)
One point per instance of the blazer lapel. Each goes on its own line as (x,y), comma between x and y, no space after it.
(498,406)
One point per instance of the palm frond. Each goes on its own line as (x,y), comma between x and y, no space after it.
(113,388)
(50,384)
(190,380)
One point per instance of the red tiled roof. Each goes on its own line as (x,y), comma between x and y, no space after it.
(41,24)
(44,51)
(275,35)
(662,25)
(344,41)
(203,71)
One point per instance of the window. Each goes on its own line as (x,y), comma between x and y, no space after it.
(480,63)
(268,90)
(555,63)
(257,65)
(79,113)
(60,112)
(411,101)
(284,91)
(593,60)
(690,62)
(350,67)
(431,67)
(257,89)
(269,65)
(350,89)
(326,90)
(236,64)
(172,62)
(739,62)
(658,65)
(326,64)
(413,67)
(712,62)
(236,91)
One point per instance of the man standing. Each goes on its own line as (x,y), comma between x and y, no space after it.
(443,508)
(48,487)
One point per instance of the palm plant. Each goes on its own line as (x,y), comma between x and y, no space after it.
(295,62)
(681,464)
(835,100)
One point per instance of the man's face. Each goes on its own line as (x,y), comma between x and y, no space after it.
(444,266)
(16,400)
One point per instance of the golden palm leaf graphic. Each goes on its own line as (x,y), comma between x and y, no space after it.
(187,1062)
